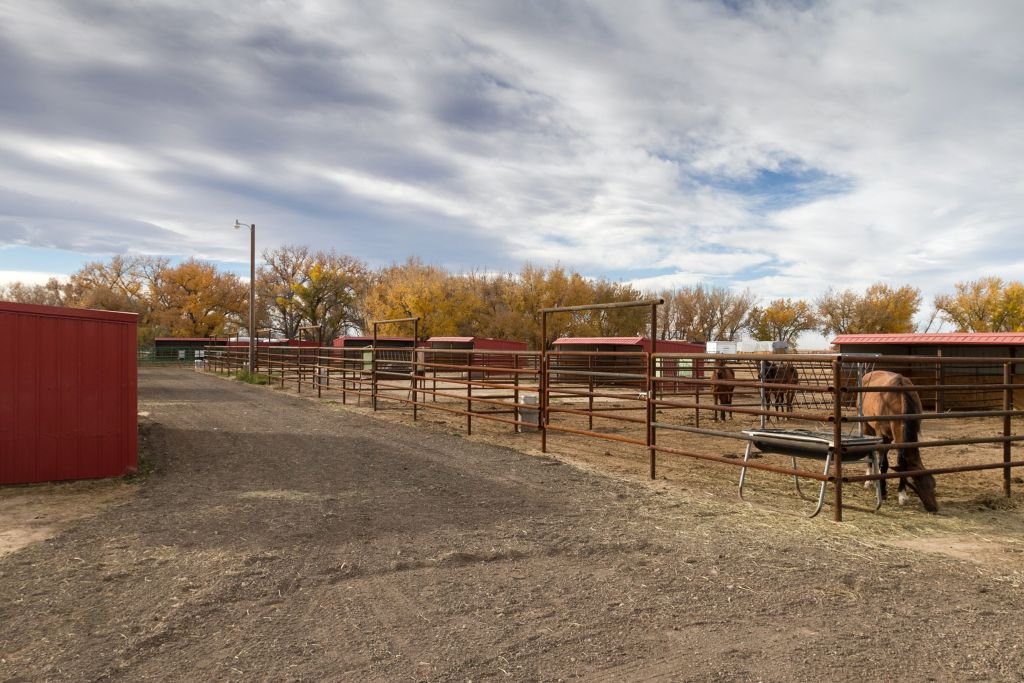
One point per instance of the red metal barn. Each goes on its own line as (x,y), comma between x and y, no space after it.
(367,342)
(389,348)
(67,394)
(491,359)
(625,355)
(949,345)
(184,349)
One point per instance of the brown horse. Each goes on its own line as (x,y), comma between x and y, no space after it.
(779,398)
(722,392)
(901,401)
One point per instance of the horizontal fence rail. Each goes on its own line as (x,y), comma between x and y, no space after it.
(672,405)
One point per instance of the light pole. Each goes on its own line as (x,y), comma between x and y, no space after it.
(252,291)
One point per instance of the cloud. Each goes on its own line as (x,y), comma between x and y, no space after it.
(786,147)
(28,277)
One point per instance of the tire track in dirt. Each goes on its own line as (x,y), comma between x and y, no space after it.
(281,539)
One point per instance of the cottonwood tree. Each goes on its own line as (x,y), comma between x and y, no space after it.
(880,309)
(782,320)
(503,305)
(327,297)
(702,313)
(985,305)
(283,269)
(114,286)
(557,287)
(445,304)
(194,300)
(52,293)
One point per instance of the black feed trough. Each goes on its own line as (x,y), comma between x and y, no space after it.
(804,443)
(817,445)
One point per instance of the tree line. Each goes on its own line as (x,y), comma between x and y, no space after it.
(319,295)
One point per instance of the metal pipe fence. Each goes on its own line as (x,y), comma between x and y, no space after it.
(665,402)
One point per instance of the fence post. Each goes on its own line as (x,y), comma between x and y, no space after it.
(373,373)
(837,438)
(652,391)
(415,381)
(542,413)
(515,392)
(696,394)
(590,393)
(1007,427)
(469,395)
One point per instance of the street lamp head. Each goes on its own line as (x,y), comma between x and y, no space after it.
(238,226)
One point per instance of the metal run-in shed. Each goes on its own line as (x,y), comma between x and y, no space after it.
(624,355)
(179,349)
(367,342)
(492,358)
(959,345)
(476,344)
(388,349)
(67,394)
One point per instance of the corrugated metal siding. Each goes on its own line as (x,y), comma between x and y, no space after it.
(934,338)
(480,343)
(487,344)
(68,400)
(629,344)
(627,341)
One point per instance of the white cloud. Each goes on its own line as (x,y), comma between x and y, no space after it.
(28,277)
(783,147)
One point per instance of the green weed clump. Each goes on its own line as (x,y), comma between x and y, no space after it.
(251,377)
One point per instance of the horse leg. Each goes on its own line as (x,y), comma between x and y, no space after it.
(883,466)
(901,466)
(870,431)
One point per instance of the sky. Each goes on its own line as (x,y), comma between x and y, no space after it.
(784,147)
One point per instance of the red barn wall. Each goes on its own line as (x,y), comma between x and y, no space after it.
(68,390)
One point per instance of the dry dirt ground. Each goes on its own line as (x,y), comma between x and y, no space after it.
(278,538)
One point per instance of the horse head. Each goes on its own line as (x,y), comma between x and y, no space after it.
(924,487)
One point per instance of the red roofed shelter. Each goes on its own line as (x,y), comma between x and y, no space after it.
(367,342)
(622,354)
(68,384)
(493,359)
(965,345)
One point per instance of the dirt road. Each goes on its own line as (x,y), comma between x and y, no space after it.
(281,539)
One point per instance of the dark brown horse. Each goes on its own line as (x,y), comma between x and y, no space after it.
(779,398)
(722,392)
(895,404)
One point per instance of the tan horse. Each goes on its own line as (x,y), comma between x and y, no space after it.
(722,392)
(902,400)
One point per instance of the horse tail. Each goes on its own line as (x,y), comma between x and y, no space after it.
(911,425)
(911,428)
